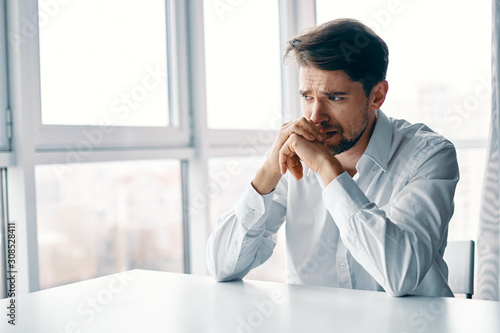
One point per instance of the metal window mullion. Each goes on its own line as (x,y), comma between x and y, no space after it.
(199,201)
(295,16)
(4,101)
(24,100)
(185,216)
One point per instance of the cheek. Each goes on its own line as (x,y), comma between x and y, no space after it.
(341,114)
(347,118)
(354,124)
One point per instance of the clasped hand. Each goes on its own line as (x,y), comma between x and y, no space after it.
(302,140)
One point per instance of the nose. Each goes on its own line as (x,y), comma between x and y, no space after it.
(318,113)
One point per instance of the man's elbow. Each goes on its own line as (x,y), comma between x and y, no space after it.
(221,276)
(397,292)
(399,289)
(218,273)
(213,266)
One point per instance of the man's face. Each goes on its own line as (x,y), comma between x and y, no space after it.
(337,105)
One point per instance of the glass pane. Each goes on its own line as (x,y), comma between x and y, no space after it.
(100,218)
(439,71)
(103,62)
(229,177)
(242,56)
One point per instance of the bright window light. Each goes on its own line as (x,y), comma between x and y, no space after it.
(242,57)
(104,63)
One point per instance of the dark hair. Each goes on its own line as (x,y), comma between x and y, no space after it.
(343,44)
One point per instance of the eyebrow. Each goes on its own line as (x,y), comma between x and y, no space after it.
(326,93)
(334,94)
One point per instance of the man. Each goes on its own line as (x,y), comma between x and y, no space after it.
(366,198)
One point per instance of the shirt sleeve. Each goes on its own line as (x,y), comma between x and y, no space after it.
(398,250)
(245,237)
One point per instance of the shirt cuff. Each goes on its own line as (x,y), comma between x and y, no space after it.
(252,206)
(343,198)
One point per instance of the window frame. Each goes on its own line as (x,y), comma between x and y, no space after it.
(29,149)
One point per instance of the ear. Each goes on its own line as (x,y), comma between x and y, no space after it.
(377,96)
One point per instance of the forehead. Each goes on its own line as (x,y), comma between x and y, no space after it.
(314,78)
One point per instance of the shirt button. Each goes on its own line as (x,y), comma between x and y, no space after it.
(342,265)
(255,211)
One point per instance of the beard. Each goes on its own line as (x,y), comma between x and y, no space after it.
(347,143)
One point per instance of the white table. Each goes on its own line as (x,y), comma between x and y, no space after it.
(147,301)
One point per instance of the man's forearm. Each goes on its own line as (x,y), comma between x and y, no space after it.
(266,180)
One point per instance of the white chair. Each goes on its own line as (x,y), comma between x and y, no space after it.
(459,255)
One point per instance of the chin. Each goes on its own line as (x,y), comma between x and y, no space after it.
(340,148)
(334,149)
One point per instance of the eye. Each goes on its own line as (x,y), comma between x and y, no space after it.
(307,98)
(335,98)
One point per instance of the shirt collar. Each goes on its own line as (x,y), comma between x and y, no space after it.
(379,145)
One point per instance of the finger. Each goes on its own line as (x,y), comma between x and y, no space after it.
(295,167)
(284,154)
(288,158)
(305,128)
(287,154)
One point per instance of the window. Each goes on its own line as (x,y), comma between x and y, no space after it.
(108,217)
(437,78)
(110,85)
(110,129)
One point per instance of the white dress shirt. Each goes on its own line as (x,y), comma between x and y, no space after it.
(383,229)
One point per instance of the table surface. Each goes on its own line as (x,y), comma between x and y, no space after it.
(149,301)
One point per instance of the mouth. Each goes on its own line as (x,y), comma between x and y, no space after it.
(330,134)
